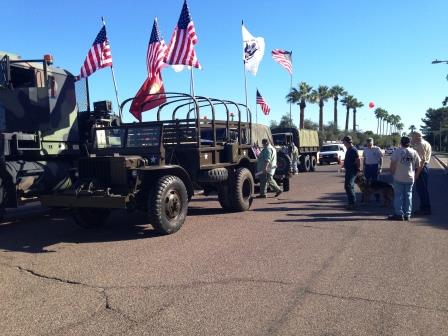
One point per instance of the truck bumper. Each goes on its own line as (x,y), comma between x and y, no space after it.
(72,201)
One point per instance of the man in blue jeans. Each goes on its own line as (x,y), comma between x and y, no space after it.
(405,167)
(351,165)
(423,149)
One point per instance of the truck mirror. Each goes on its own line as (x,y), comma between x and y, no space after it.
(5,72)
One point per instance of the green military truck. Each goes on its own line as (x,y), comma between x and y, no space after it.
(307,141)
(155,166)
(42,132)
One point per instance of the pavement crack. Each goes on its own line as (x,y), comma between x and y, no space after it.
(65,281)
(357,298)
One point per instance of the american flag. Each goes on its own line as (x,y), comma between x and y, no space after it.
(284,58)
(156,51)
(264,106)
(181,47)
(99,55)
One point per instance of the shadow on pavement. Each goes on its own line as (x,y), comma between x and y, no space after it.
(34,234)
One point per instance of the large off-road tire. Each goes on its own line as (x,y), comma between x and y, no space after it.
(284,164)
(90,218)
(241,189)
(168,204)
(302,167)
(214,175)
(307,163)
(313,163)
(224,197)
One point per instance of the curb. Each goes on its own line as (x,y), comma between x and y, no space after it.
(444,165)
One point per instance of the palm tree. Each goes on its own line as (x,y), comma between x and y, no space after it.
(378,113)
(385,120)
(356,105)
(300,97)
(400,127)
(320,96)
(397,121)
(347,101)
(412,128)
(337,91)
(445,101)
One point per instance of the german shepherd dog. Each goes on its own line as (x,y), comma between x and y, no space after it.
(375,187)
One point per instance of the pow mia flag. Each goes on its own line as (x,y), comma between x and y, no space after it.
(253,51)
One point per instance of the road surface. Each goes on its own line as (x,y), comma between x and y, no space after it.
(297,265)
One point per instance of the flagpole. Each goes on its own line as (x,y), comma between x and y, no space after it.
(290,103)
(191,82)
(115,83)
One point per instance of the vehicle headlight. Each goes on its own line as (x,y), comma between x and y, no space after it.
(134,174)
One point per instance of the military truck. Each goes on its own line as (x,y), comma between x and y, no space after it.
(155,166)
(307,141)
(42,133)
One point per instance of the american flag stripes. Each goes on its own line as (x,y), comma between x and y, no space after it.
(181,47)
(264,106)
(99,55)
(156,51)
(284,58)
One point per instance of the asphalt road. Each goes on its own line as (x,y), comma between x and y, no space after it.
(296,265)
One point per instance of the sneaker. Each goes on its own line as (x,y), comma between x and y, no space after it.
(278,193)
(395,218)
(261,196)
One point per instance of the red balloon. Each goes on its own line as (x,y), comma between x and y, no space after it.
(371,104)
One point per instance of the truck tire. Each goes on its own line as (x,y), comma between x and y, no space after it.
(284,164)
(90,218)
(214,175)
(241,190)
(168,204)
(223,197)
(307,163)
(302,167)
(313,163)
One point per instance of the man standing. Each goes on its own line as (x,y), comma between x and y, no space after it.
(295,158)
(372,163)
(266,165)
(351,165)
(423,149)
(405,167)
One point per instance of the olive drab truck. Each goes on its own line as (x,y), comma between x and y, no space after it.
(156,166)
(307,141)
(42,133)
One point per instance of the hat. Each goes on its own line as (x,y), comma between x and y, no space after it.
(405,140)
(370,140)
(347,138)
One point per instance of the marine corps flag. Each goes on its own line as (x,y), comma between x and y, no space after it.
(253,51)
(150,95)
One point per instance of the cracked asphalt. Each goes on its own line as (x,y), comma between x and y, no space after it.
(295,265)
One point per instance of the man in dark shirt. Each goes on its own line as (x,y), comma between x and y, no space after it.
(352,167)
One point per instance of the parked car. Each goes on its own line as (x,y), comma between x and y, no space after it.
(333,152)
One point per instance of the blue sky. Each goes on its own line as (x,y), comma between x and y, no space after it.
(379,51)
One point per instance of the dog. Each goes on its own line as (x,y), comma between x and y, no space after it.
(375,187)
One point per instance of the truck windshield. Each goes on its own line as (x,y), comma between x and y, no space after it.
(279,139)
(331,148)
(109,138)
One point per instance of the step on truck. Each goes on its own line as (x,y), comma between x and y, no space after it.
(42,131)
(156,166)
(307,141)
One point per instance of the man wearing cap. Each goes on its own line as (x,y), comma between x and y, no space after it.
(266,165)
(405,167)
(423,149)
(373,162)
(351,165)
